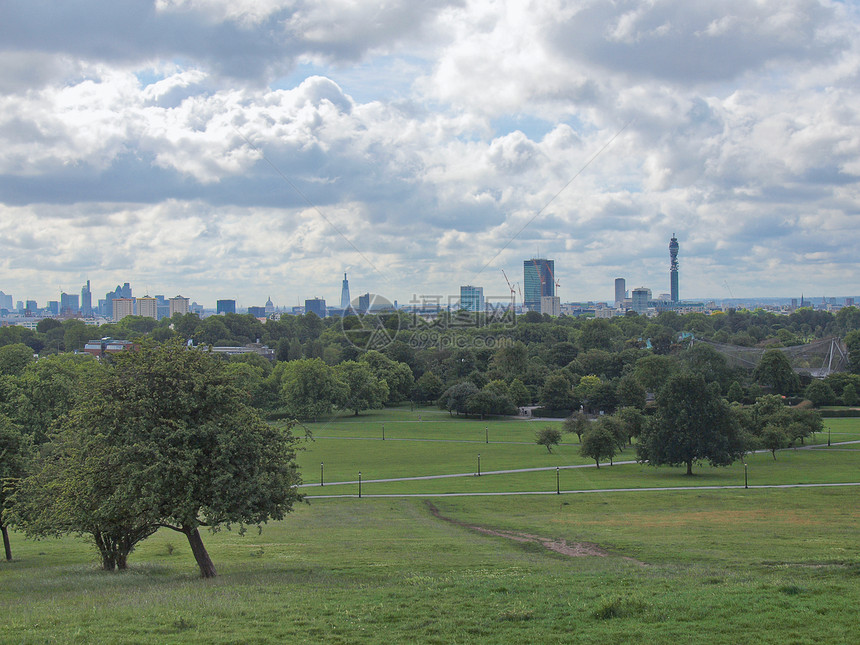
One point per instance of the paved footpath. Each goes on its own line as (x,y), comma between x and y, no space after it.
(530,470)
(594,490)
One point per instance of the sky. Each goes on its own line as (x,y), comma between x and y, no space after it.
(253,148)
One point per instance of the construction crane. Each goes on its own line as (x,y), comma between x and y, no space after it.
(552,276)
(513,292)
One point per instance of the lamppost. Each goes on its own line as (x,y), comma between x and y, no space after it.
(557,484)
(486,434)
(359,484)
(383,433)
(746,481)
(828,436)
(479,464)
(322,483)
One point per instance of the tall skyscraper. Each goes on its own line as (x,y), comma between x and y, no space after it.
(147,307)
(620,291)
(225,306)
(86,300)
(344,294)
(537,282)
(472,298)
(69,303)
(673,268)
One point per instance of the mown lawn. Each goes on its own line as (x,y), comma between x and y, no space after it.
(726,566)
(766,567)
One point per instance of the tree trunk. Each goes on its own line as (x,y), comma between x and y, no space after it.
(690,467)
(207,569)
(6,545)
(597,461)
(105,550)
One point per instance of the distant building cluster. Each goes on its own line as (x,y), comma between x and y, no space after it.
(538,292)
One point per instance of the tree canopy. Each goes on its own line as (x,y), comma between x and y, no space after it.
(692,424)
(163,438)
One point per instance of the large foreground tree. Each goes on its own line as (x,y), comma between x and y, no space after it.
(171,442)
(693,424)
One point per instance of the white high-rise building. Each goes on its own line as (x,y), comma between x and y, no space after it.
(178,305)
(147,307)
(122,307)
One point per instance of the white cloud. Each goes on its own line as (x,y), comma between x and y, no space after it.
(743,139)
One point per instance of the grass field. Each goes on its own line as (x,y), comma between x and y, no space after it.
(724,566)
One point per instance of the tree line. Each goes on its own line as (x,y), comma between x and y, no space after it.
(168,419)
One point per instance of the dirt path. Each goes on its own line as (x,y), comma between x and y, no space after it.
(572,549)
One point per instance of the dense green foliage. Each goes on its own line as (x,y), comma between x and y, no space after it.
(158,438)
(692,424)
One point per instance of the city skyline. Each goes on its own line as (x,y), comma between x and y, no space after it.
(229,150)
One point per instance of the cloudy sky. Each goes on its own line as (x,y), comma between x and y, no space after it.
(247,148)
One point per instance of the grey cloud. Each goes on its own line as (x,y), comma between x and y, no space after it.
(692,42)
(135,32)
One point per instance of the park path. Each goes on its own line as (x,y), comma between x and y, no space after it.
(651,489)
(536,469)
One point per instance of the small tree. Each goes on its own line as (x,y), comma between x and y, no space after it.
(364,390)
(735,393)
(556,393)
(849,395)
(455,398)
(427,388)
(774,371)
(519,393)
(618,429)
(598,443)
(630,392)
(576,423)
(774,438)
(548,437)
(820,393)
(633,421)
(309,388)
(79,488)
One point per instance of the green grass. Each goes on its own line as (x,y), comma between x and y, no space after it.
(767,567)
(727,566)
